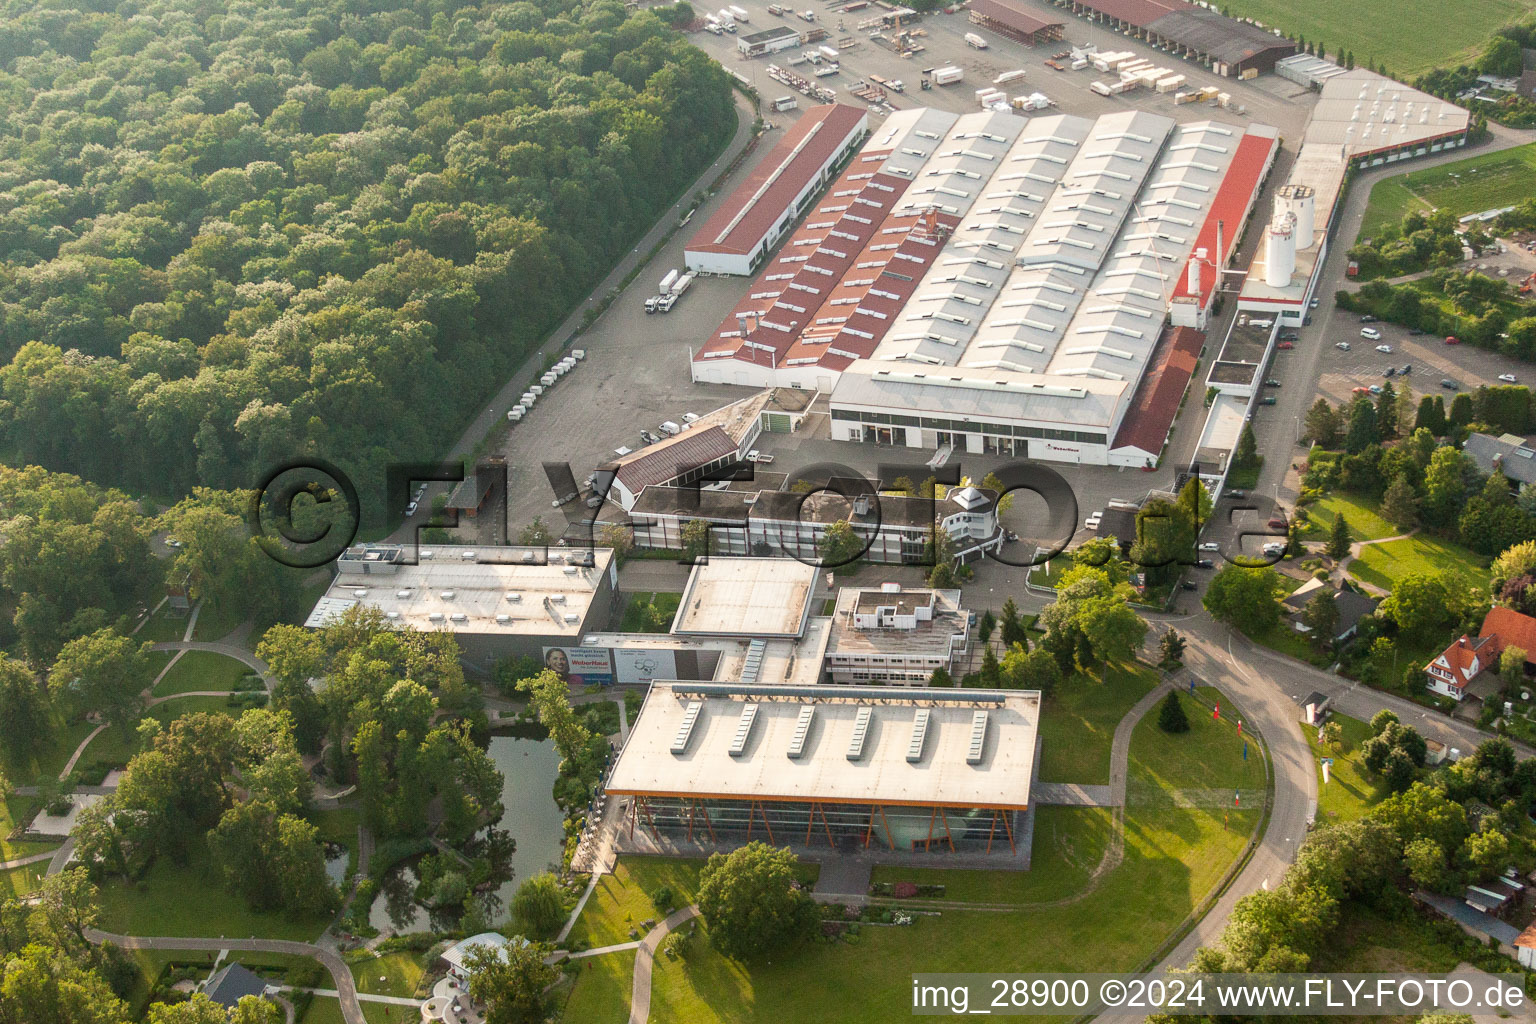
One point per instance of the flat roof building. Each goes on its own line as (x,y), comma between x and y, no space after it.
(497,601)
(756,597)
(1228,46)
(1016,21)
(899,770)
(738,237)
(892,635)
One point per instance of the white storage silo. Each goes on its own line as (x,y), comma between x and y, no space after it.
(1297,200)
(1280,255)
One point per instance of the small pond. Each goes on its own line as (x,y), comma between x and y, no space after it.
(530,815)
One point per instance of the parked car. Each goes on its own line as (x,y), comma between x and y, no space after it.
(1368,319)
(1092,522)
(1286,344)
(1375,389)
(1390,371)
(1370,333)
(1206,563)
(1209,545)
(1315,303)
(1507,378)
(1449,385)
(1360,390)
(1406,370)
(594,501)
(1271,383)
(1290,335)
(1267,400)
(1276,524)
(1453,340)
(410,509)
(1237,494)
(1342,346)
(1384,349)
(1187,585)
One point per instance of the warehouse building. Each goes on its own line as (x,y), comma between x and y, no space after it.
(769,40)
(738,237)
(1227,46)
(900,771)
(496,601)
(895,529)
(1016,21)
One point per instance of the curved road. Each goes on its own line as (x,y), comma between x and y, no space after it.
(351,1010)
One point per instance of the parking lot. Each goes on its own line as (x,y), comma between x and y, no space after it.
(1431,358)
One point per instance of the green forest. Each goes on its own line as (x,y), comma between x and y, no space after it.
(234,234)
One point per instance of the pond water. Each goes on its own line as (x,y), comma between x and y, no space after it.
(529,768)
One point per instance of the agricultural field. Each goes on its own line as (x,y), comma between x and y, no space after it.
(1486,182)
(1411,37)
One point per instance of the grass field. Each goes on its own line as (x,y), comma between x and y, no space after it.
(116,746)
(393,974)
(327,1010)
(1411,37)
(1077,724)
(23,880)
(163,903)
(1485,182)
(214,623)
(1350,791)
(665,603)
(601,987)
(162,627)
(1365,523)
(201,670)
(1382,564)
(1175,851)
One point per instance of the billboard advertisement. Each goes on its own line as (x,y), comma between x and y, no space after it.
(642,666)
(580,666)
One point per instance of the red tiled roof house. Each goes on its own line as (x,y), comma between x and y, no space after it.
(1469,657)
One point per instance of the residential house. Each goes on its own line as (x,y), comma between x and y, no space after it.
(1510,453)
(1352,607)
(1469,657)
(233,983)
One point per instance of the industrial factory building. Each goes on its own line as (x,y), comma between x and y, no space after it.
(1016,21)
(739,236)
(896,770)
(1001,285)
(1226,45)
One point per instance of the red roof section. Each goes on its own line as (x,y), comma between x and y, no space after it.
(1237,190)
(1137,12)
(1170,367)
(809,265)
(1511,629)
(674,457)
(1013,15)
(758,203)
(1459,656)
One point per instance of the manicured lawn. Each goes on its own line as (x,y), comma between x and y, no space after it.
(400,972)
(1351,791)
(1364,522)
(1204,766)
(116,745)
(191,899)
(1284,639)
(621,900)
(23,880)
(202,670)
(1382,564)
(51,760)
(1480,183)
(1077,724)
(1174,854)
(326,1010)
(600,994)
(162,627)
(214,623)
(12,811)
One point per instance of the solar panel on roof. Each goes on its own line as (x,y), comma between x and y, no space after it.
(743,729)
(978,737)
(919,734)
(802,730)
(685,727)
(860,733)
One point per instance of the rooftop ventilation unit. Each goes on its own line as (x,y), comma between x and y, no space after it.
(402,594)
(503,618)
(468,556)
(515,597)
(435,617)
(802,730)
(978,737)
(426,554)
(752,666)
(360,592)
(447,595)
(459,617)
(685,727)
(557,599)
(860,733)
(572,617)
(919,735)
(743,729)
(391,615)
